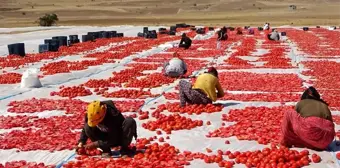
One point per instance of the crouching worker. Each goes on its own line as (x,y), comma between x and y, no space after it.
(311,125)
(222,34)
(266,26)
(203,91)
(251,31)
(239,30)
(274,36)
(106,127)
(185,41)
(176,67)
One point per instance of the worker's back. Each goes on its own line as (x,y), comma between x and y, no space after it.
(275,36)
(207,83)
(313,108)
(175,65)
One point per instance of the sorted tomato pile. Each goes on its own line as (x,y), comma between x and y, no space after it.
(98,83)
(325,73)
(266,97)
(318,43)
(10,78)
(246,81)
(155,155)
(172,122)
(132,94)
(171,96)
(16,61)
(129,105)
(23,163)
(68,66)
(274,157)
(262,124)
(150,81)
(72,92)
(39,105)
(189,109)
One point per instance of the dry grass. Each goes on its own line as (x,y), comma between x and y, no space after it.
(14,13)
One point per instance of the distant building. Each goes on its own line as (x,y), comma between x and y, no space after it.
(292,7)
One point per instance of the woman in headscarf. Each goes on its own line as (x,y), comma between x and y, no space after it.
(185,42)
(106,127)
(222,34)
(239,30)
(310,125)
(176,67)
(274,36)
(203,91)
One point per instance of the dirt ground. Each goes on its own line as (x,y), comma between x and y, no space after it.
(21,13)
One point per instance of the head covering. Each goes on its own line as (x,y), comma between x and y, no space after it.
(213,71)
(224,29)
(312,93)
(95,113)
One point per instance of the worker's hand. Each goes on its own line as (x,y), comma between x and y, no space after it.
(79,146)
(92,145)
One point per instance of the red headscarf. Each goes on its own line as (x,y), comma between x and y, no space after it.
(213,71)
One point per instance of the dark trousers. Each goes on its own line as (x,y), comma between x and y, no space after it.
(186,46)
(129,131)
(268,36)
(191,96)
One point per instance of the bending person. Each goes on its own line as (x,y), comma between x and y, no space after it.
(239,30)
(106,127)
(311,125)
(274,36)
(185,41)
(251,31)
(266,26)
(203,91)
(176,67)
(222,34)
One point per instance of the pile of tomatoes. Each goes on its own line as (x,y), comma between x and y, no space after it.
(247,81)
(22,163)
(261,124)
(129,93)
(172,122)
(10,78)
(72,92)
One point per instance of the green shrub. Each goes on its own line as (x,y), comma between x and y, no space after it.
(48,19)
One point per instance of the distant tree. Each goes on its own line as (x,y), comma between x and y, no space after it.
(48,19)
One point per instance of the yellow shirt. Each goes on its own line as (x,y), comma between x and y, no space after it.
(208,83)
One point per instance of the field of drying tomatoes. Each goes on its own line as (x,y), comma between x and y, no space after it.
(262,79)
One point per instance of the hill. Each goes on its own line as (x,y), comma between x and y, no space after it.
(161,12)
